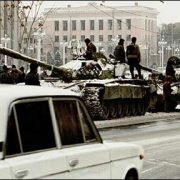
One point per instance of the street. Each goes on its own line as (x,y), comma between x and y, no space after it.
(161,143)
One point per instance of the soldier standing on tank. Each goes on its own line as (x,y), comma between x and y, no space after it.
(90,50)
(134,57)
(119,52)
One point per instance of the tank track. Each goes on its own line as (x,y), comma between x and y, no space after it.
(91,97)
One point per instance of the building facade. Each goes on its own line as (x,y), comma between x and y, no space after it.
(104,25)
(8,28)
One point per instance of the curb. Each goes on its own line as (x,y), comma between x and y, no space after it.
(127,121)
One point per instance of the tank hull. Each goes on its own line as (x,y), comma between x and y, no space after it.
(116,98)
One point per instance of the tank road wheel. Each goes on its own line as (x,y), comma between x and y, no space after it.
(128,102)
(120,108)
(144,109)
(133,108)
(139,108)
(125,108)
(113,109)
(106,109)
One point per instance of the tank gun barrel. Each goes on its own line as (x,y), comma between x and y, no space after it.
(17,55)
(150,70)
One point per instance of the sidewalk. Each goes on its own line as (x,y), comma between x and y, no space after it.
(126,121)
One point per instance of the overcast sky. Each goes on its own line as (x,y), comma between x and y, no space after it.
(168,11)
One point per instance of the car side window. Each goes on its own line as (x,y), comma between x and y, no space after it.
(88,130)
(31,124)
(68,122)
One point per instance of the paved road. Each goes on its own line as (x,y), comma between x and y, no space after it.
(126,121)
(161,142)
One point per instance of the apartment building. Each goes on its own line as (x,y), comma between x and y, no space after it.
(104,25)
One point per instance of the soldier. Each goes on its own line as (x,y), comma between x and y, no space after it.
(119,52)
(5,77)
(14,73)
(169,100)
(170,70)
(134,57)
(22,75)
(32,78)
(90,50)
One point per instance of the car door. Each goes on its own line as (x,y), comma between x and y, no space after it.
(88,162)
(31,146)
(85,153)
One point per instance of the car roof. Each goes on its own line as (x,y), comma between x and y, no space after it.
(15,91)
(10,93)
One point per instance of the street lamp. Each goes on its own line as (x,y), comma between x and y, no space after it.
(168,49)
(64,45)
(5,40)
(39,35)
(162,43)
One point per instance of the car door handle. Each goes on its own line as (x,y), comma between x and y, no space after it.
(21,173)
(73,162)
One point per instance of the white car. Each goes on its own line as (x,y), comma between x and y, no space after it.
(47,133)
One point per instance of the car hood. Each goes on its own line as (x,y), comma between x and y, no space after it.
(121,150)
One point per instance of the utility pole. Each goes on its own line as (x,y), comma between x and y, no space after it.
(172,30)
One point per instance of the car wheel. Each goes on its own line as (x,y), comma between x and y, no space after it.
(132,175)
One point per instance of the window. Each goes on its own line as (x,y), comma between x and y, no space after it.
(100,24)
(83,25)
(56,25)
(109,37)
(110,24)
(31,40)
(82,37)
(65,38)
(149,24)
(128,24)
(73,36)
(152,27)
(56,49)
(74,25)
(68,122)
(119,24)
(92,38)
(100,37)
(31,129)
(65,25)
(56,38)
(91,24)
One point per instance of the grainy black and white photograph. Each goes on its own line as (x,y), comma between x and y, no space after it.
(90,90)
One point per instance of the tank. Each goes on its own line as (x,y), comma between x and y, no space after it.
(105,95)
(175,86)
